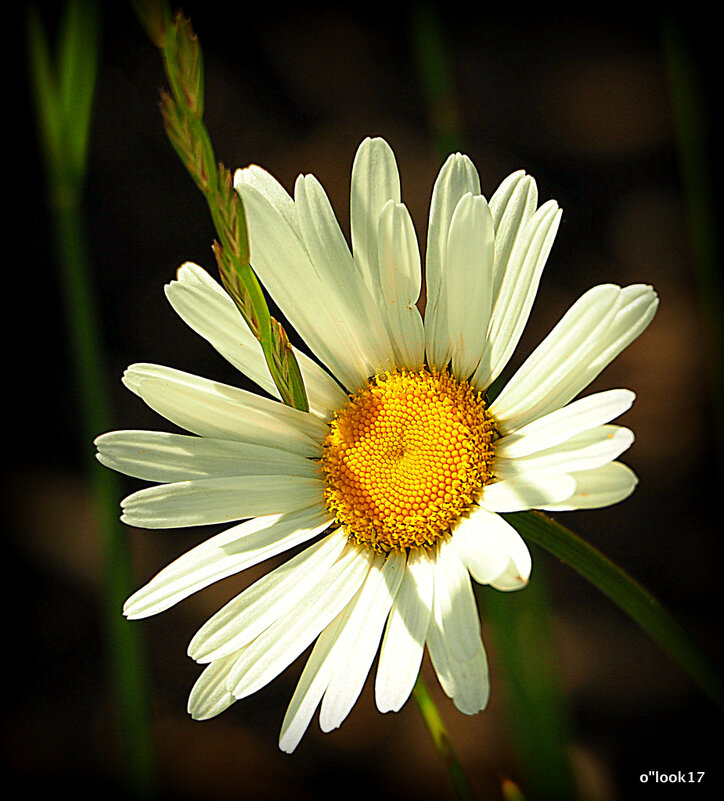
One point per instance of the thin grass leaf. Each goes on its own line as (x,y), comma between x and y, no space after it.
(63,95)
(625,592)
(441,740)
(521,635)
(45,91)
(77,69)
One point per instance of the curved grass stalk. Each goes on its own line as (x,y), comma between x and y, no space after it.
(182,109)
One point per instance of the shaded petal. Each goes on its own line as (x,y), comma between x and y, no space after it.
(556,427)
(517,572)
(527,492)
(311,686)
(404,640)
(164,457)
(207,308)
(511,579)
(224,555)
(603,486)
(478,545)
(212,409)
(400,280)
(468,281)
(361,638)
(455,603)
(375,181)
(464,680)
(247,615)
(219,500)
(457,177)
(280,644)
(472,683)
(209,696)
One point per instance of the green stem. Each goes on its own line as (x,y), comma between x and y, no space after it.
(183,115)
(441,740)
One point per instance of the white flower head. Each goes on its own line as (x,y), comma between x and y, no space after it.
(397,476)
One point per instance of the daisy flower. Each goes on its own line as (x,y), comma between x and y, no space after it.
(395,479)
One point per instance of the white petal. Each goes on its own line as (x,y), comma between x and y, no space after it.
(588,337)
(455,603)
(212,409)
(375,181)
(336,268)
(464,680)
(478,545)
(280,259)
(341,321)
(603,486)
(207,308)
(400,281)
(435,641)
(404,640)
(637,309)
(468,281)
(225,554)
(284,640)
(209,696)
(472,683)
(527,492)
(275,194)
(512,205)
(164,457)
(457,177)
(517,572)
(219,500)
(511,579)
(564,351)
(243,618)
(556,427)
(585,451)
(361,638)
(311,686)
(517,291)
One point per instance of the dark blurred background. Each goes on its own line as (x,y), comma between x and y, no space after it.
(579,100)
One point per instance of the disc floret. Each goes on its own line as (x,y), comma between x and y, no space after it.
(406,457)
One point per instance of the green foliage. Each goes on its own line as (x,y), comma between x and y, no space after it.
(625,592)
(63,89)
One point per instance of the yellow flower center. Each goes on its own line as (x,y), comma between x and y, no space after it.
(406,457)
